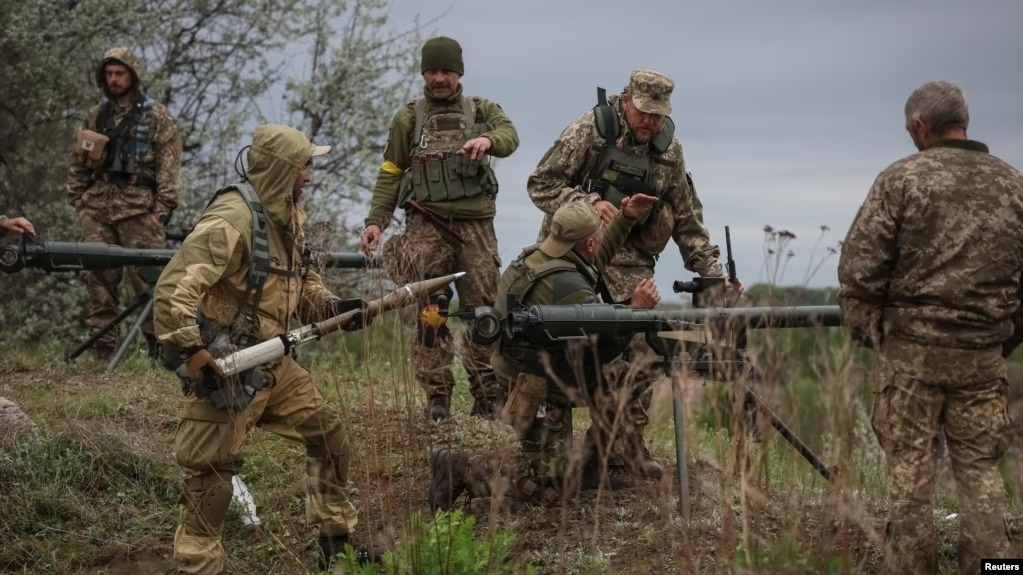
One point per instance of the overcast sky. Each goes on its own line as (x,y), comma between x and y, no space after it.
(786,110)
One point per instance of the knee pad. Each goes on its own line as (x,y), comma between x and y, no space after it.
(206,499)
(335,451)
(431,326)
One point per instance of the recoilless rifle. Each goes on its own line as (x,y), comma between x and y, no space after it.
(720,353)
(81,256)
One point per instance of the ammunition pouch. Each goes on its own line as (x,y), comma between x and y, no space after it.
(446,177)
(91,149)
(528,393)
(233,393)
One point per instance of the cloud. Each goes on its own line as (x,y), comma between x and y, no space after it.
(786,110)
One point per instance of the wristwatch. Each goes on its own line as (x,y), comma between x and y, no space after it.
(163,217)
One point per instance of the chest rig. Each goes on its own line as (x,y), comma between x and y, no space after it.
(615,173)
(129,143)
(437,173)
(259,266)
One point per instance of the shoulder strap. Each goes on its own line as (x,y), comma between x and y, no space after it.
(144,118)
(529,276)
(606,118)
(663,138)
(469,110)
(259,258)
(417,132)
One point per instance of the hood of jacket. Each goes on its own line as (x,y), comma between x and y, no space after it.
(277,155)
(120,55)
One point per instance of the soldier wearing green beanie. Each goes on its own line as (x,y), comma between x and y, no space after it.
(437,168)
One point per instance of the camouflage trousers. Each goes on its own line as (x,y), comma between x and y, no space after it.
(208,447)
(140,231)
(622,413)
(424,251)
(908,414)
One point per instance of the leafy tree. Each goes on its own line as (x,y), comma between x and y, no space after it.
(221,66)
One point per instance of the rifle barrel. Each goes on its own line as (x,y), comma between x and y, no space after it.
(546,322)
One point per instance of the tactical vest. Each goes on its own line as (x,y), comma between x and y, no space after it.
(615,173)
(129,142)
(259,261)
(521,285)
(436,172)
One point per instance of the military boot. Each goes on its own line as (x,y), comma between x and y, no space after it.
(439,407)
(333,545)
(649,467)
(449,478)
(614,478)
(638,458)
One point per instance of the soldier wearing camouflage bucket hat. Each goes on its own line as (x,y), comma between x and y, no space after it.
(124,181)
(623,146)
(562,269)
(929,278)
(437,168)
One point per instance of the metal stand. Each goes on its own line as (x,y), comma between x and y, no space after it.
(143,300)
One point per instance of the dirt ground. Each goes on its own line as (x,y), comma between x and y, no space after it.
(638,530)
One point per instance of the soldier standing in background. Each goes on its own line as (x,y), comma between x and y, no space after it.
(437,168)
(124,181)
(930,280)
(623,146)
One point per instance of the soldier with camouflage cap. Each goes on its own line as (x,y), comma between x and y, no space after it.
(124,181)
(930,281)
(563,269)
(437,168)
(624,146)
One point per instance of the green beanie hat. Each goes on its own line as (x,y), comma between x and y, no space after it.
(442,53)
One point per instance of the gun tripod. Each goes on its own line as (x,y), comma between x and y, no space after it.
(143,301)
(705,364)
(751,404)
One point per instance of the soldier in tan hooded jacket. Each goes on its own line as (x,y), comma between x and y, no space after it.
(123,181)
(203,292)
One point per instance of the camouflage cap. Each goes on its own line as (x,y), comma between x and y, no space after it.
(572,222)
(651,91)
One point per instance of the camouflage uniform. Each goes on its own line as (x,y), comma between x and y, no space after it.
(930,279)
(208,277)
(412,163)
(571,375)
(124,208)
(565,173)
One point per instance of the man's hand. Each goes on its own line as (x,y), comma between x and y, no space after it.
(339,306)
(20,225)
(369,239)
(607,210)
(645,295)
(633,207)
(200,365)
(741,287)
(475,147)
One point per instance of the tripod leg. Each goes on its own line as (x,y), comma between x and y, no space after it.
(139,301)
(131,333)
(785,432)
(681,463)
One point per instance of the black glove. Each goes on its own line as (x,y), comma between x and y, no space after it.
(339,306)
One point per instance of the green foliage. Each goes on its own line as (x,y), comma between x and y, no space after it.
(90,486)
(786,555)
(341,70)
(445,546)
